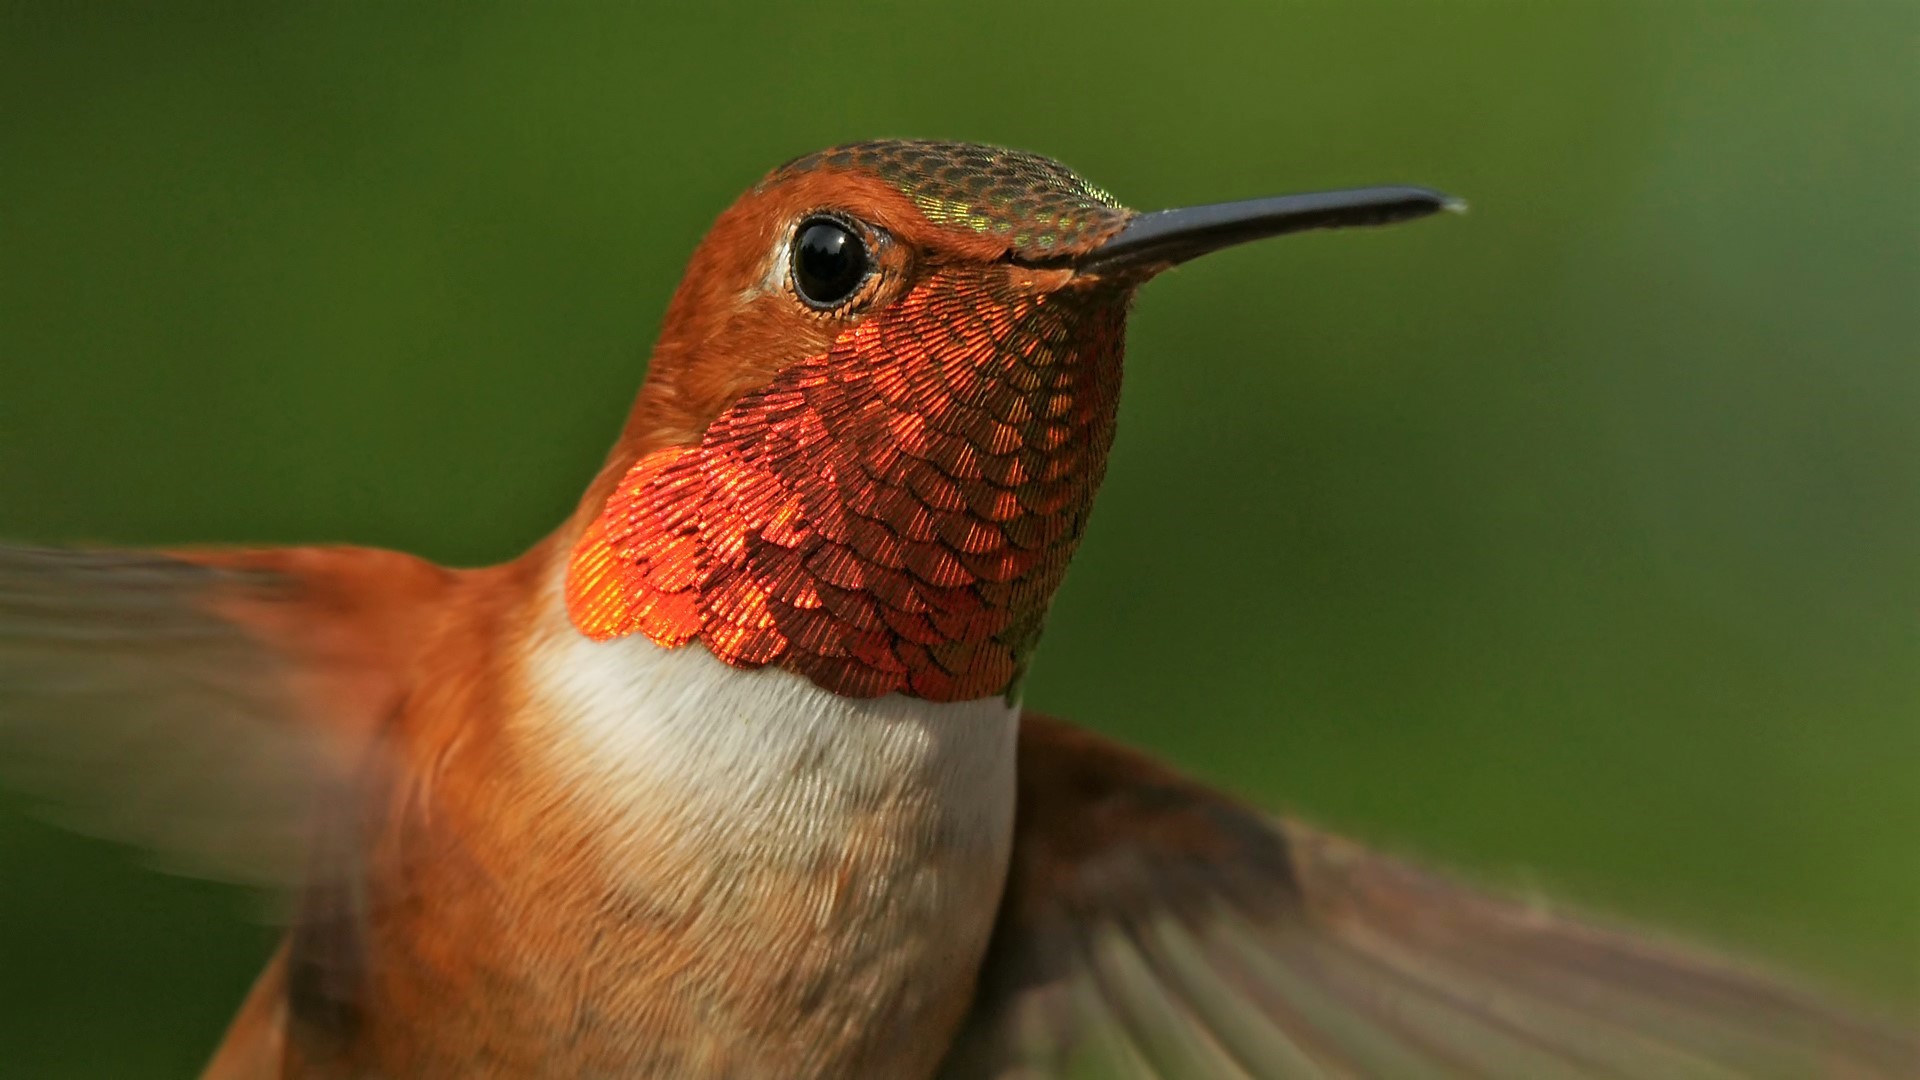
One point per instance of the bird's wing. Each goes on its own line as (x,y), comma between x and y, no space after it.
(201,704)
(1155,928)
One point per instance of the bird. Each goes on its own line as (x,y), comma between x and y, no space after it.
(730,774)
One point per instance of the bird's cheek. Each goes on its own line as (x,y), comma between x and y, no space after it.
(764,340)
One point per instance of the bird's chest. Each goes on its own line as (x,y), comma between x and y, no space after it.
(740,874)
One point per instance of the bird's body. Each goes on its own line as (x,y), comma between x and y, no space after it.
(729,775)
(615,859)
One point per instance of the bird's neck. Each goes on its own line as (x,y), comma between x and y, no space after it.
(892,515)
(653,732)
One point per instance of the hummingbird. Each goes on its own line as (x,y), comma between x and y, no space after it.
(729,776)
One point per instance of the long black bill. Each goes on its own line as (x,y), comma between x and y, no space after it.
(1164,237)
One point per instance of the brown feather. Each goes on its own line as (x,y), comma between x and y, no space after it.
(198,703)
(1152,926)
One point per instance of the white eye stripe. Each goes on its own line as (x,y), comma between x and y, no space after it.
(773,276)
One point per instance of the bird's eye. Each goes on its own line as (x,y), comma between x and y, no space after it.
(829,262)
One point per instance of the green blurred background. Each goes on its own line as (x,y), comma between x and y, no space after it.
(1572,541)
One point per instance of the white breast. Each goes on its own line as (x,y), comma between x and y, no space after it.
(674,737)
(849,853)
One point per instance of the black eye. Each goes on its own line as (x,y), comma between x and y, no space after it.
(829,262)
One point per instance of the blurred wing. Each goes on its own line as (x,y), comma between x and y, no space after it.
(1154,928)
(203,705)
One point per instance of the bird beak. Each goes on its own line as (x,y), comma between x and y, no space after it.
(1153,241)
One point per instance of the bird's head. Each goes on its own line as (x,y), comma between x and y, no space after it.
(879,408)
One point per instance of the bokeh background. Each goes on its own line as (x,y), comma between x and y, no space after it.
(1572,542)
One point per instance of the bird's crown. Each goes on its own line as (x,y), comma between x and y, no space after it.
(1039,207)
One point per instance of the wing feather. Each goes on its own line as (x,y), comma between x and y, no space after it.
(1152,926)
(200,705)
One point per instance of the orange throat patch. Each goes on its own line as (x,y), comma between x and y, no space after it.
(892,515)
